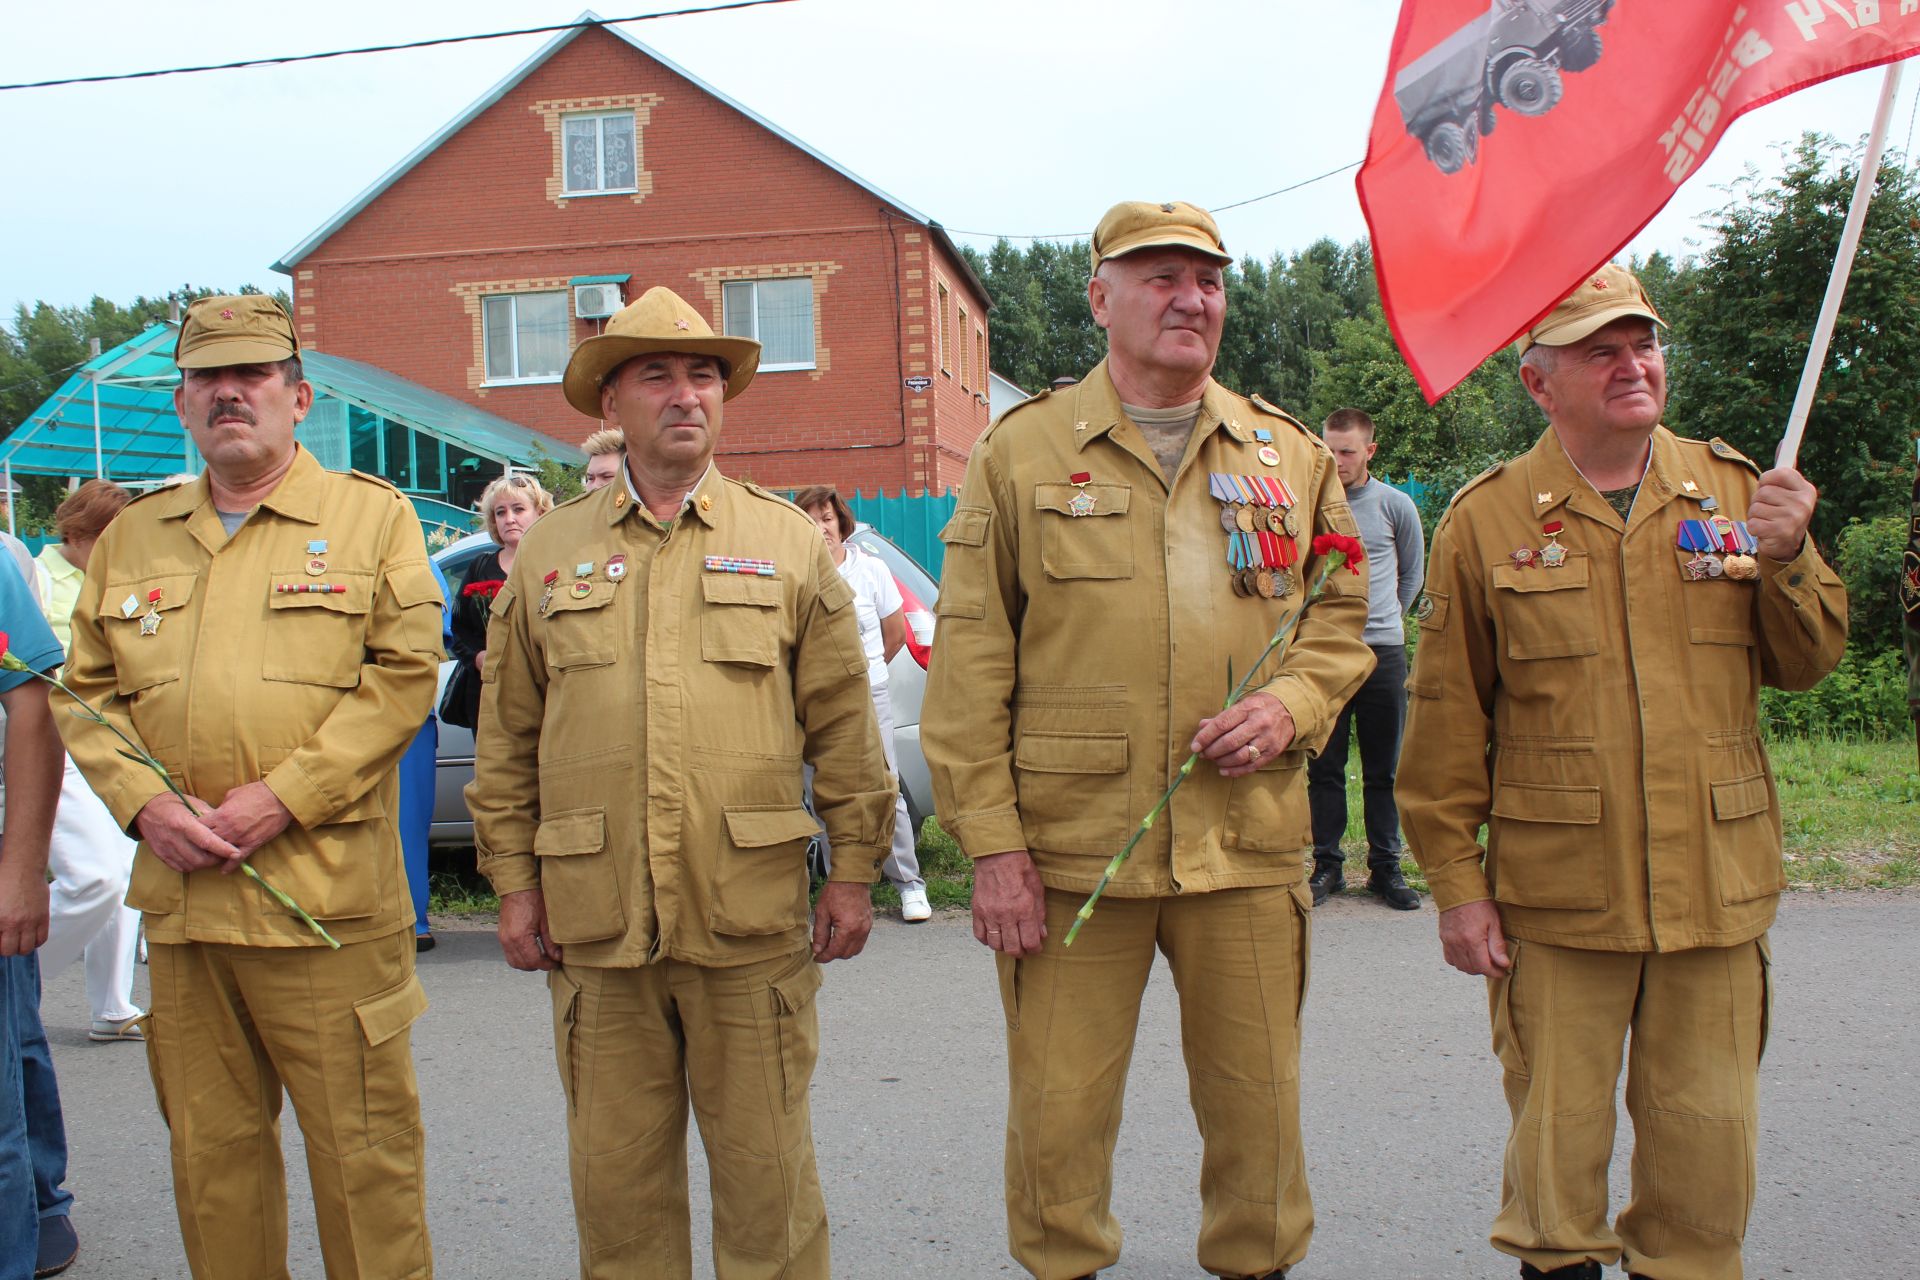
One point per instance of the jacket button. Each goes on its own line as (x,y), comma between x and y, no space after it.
(1795,580)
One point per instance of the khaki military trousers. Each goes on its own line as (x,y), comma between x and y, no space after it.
(1697,1023)
(1239,960)
(230,1027)
(632,1045)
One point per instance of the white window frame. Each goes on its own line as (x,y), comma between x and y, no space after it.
(486,354)
(599,153)
(813,298)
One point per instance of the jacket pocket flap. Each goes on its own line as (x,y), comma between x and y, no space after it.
(598,596)
(414,584)
(338,592)
(1530,802)
(739,588)
(1108,499)
(759,828)
(386,1015)
(1072,753)
(1511,577)
(581,831)
(1741,797)
(797,989)
(967,527)
(156,594)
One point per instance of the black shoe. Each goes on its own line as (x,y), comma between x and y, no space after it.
(423,942)
(1588,1270)
(59,1244)
(1328,878)
(1392,888)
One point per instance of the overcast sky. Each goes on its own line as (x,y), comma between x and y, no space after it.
(1017,117)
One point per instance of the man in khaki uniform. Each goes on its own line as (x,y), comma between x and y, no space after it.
(666,653)
(1117,545)
(271,634)
(1599,617)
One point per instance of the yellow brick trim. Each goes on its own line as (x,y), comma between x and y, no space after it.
(553,110)
(711,278)
(470,292)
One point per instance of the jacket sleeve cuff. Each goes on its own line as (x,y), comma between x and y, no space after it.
(1457,883)
(856,864)
(304,800)
(1797,579)
(1312,725)
(510,872)
(133,794)
(984,834)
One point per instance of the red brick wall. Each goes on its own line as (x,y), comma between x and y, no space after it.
(721,197)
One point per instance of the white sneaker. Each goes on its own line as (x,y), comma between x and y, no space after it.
(914,907)
(104,1032)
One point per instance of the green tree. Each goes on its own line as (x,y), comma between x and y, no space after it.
(1743,316)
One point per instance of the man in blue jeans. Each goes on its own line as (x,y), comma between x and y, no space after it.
(36,1238)
(1397,554)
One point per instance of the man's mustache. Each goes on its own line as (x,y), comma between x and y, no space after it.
(237,412)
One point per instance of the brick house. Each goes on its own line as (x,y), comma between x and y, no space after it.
(597,169)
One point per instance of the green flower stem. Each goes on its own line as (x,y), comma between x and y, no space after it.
(139,755)
(1281,635)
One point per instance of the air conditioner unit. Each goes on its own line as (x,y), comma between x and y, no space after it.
(595,301)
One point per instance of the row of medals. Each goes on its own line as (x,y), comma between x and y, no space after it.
(1258,515)
(1707,538)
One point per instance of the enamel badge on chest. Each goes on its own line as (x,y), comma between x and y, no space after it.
(616,568)
(1082,502)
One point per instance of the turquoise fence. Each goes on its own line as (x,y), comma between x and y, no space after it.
(912,521)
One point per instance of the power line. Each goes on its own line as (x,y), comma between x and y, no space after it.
(387,48)
(1218,208)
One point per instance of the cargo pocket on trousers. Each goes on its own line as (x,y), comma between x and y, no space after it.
(1007,969)
(388,1092)
(1506,1025)
(1303,947)
(146,1025)
(1766,992)
(797,1024)
(566,1021)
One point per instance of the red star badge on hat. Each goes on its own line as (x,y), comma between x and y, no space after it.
(1598,283)
(226,313)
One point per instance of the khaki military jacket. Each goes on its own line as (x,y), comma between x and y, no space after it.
(184,637)
(644,716)
(1076,655)
(1601,718)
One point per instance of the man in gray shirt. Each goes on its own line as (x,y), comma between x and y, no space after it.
(1397,550)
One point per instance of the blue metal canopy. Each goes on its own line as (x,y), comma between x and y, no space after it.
(114,416)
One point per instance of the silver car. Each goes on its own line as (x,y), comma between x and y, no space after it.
(906,675)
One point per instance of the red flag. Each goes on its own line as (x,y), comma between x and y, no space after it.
(1517,148)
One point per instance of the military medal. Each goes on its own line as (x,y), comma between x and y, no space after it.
(1082,502)
(546,596)
(1741,564)
(1553,555)
(740,564)
(582,589)
(316,567)
(1522,557)
(301,588)
(616,568)
(129,606)
(317,547)
(150,624)
(1697,536)
(1269,456)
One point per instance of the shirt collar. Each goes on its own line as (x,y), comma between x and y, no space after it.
(703,499)
(298,496)
(1097,411)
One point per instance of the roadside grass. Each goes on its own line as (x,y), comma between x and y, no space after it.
(1851,812)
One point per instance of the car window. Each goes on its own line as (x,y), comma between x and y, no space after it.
(903,567)
(454,560)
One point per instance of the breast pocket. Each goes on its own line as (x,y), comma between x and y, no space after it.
(1085,531)
(317,628)
(146,630)
(741,621)
(580,629)
(1546,613)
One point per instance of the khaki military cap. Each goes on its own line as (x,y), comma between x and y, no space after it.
(1141,224)
(659,320)
(246,328)
(1609,294)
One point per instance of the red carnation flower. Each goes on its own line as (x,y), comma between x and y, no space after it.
(488,587)
(1351,548)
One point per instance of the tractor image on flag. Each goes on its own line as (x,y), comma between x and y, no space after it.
(1511,56)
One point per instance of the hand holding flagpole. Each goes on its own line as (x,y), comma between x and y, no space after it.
(1788,454)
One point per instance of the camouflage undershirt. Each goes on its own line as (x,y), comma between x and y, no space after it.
(1167,432)
(1621,500)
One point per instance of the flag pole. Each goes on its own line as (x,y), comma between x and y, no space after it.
(1788,454)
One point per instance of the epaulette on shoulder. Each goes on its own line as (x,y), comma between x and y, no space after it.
(581,496)
(1724,451)
(383,483)
(155,492)
(1475,483)
(769,495)
(1267,407)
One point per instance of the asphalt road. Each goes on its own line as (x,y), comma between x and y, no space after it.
(1403,1113)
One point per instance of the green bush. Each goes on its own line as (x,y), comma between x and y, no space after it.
(1865,697)
(1867,558)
